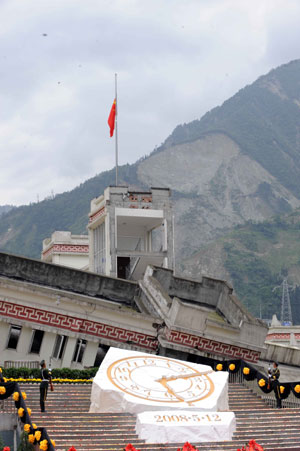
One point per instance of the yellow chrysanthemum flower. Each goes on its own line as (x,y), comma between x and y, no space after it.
(34,425)
(37,435)
(29,411)
(44,445)
(219,367)
(246,370)
(16,396)
(297,388)
(20,411)
(232,367)
(31,438)
(24,395)
(27,427)
(282,388)
(261,382)
(53,442)
(2,390)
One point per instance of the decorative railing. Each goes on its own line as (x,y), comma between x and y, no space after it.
(258,383)
(21,364)
(9,392)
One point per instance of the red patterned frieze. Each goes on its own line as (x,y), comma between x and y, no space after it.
(214,347)
(67,248)
(97,215)
(79,325)
(282,336)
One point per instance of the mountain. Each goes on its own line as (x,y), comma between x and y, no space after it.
(256,257)
(5,209)
(240,162)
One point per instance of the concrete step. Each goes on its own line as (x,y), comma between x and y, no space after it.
(69,423)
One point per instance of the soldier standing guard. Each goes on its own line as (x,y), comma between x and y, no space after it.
(274,376)
(46,379)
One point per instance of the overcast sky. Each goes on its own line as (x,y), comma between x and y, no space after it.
(175,59)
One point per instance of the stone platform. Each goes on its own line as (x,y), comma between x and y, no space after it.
(135,382)
(183,426)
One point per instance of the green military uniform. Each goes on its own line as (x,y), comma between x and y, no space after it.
(46,378)
(275,375)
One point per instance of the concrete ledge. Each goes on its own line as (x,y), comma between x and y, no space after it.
(8,421)
(289,355)
(56,276)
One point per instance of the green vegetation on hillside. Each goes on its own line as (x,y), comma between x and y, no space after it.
(258,256)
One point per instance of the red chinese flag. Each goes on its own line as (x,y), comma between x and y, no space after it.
(111,118)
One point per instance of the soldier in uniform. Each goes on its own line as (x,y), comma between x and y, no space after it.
(46,379)
(274,379)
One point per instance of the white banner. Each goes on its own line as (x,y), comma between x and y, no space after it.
(134,382)
(181,426)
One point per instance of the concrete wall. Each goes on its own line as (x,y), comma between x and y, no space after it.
(8,430)
(71,260)
(61,312)
(46,351)
(73,280)
(289,355)
(202,308)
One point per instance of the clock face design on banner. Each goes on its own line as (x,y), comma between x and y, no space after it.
(160,379)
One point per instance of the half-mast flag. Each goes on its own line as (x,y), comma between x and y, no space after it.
(111,118)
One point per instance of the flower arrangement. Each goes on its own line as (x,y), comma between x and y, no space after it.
(187,447)
(44,445)
(219,367)
(246,371)
(37,435)
(20,411)
(252,446)
(232,367)
(27,427)
(16,396)
(57,380)
(2,390)
(129,447)
(261,382)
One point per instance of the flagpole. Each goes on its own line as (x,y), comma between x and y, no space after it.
(116,127)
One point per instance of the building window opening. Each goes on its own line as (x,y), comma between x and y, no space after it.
(14,335)
(59,347)
(36,341)
(79,350)
(101,352)
(123,267)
